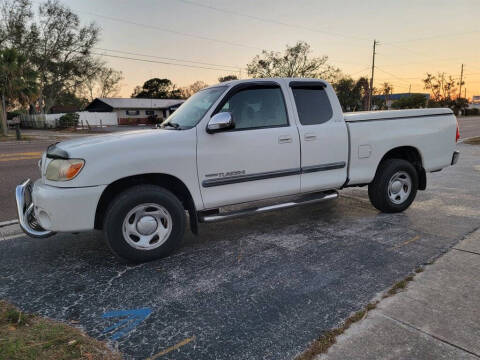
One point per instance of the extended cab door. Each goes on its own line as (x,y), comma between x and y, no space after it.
(323,136)
(259,158)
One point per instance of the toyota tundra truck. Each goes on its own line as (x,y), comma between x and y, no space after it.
(284,141)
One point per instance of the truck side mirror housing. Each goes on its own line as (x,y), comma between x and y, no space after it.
(220,122)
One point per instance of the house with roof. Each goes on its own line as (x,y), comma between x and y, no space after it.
(134,111)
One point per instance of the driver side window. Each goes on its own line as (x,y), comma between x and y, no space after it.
(257,108)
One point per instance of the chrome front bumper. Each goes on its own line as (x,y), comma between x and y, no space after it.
(26,216)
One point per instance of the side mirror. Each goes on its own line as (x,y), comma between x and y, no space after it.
(219,122)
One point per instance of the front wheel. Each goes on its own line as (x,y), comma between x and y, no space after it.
(394,187)
(144,223)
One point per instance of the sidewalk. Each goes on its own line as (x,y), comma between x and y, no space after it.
(436,317)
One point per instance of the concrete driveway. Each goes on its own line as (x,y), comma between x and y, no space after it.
(254,288)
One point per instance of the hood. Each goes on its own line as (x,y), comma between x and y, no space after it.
(87,142)
(117,155)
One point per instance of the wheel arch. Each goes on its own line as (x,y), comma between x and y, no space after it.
(169,182)
(412,155)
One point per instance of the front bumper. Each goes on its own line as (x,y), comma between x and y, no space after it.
(54,209)
(26,216)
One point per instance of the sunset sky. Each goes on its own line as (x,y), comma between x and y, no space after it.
(415,37)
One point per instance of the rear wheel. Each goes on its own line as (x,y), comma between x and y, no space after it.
(394,187)
(144,223)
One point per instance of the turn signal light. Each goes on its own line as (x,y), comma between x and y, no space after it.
(64,169)
(73,170)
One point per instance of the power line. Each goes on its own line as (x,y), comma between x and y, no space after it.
(124,21)
(393,75)
(433,37)
(358,72)
(168,58)
(410,51)
(162,62)
(271,21)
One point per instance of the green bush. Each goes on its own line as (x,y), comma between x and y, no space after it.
(68,120)
(414,101)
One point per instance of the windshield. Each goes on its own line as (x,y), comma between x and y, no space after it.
(192,111)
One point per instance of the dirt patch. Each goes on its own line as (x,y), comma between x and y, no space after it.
(25,336)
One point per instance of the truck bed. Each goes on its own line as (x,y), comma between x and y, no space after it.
(431,132)
(394,114)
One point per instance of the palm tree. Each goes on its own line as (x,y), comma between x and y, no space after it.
(18,82)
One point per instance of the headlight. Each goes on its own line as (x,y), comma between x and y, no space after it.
(64,170)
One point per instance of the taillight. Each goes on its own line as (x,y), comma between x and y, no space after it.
(457,136)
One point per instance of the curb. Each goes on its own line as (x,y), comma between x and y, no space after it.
(8,222)
(461,140)
(10,230)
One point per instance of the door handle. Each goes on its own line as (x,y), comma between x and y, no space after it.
(284,139)
(310,136)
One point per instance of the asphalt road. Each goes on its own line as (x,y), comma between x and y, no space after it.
(255,288)
(18,162)
(469,126)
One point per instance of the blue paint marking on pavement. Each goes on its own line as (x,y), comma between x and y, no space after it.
(132,319)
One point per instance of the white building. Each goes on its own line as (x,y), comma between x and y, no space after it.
(133,111)
(475,104)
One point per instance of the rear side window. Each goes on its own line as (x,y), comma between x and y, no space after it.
(313,105)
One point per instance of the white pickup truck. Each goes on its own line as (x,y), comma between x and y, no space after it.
(232,143)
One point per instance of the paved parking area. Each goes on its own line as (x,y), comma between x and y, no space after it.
(254,288)
(469,126)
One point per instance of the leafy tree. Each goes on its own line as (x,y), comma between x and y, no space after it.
(352,94)
(63,55)
(104,83)
(192,89)
(157,89)
(227,78)
(387,89)
(414,101)
(70,100)
(296,61)
(17,82)
(54,42)
(459,105)
(348,93)
(15,30)
(364,87)
(442,88)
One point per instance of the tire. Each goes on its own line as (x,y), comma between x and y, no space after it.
(144,223)
(394,187)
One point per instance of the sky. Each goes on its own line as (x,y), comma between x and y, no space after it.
(207,39)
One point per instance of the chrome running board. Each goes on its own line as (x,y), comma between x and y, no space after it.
(208,217)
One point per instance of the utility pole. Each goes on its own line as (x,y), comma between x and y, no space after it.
(370,93)
(410,89)
(3,115)
(461,80)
